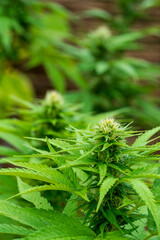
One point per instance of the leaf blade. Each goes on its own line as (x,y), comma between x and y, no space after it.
(104,188)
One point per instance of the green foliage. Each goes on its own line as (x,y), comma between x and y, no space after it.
(49,117)
(30,36)
(45,224)
(12,82)
(13,229)
(31,33)
(108,179)
(106,185)
(143,139)
(115,80)
(8,187)
(103,187)
(45,118)
(35,198)
(146,195)
(36,34)
(129,12)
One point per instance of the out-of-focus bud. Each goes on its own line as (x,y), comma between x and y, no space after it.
(102,32)
(53,98)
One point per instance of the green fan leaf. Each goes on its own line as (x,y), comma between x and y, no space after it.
(71,206)
(57,186)
(13,229)
(104,188)
(22,215)
(34,197)
(54,175)
(49,224)
(64,228)
(146,195)
(50,177)
(142,139)
(102,172)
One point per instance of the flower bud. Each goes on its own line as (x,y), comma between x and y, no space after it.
(102,32)
(53,98)
(109,125)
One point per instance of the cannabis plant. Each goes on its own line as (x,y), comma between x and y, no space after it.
(111,182)
(115,80)
(48,117)
(30,33)
(129,12)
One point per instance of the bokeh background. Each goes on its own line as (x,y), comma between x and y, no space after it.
(104,54)
(151,52)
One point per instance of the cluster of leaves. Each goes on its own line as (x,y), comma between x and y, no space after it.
(111,182)
(115,80)
(131,11)
(102,187)
(49,117)
(128,13)
(37,34)
(30,35)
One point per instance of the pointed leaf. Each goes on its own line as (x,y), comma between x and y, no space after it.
(142,139)
(146,195)
(104,188)
(102,172)
(71,206)
(49,224)
(13,229)
(34,197)
(15,141)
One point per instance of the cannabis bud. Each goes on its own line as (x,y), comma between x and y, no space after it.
(111,134)
(102,32)
(53,98)
(109,125)
(111,130)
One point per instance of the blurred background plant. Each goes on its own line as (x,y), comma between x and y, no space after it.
(48,117)
(117,81)
(30,32)
(39,35)
(114,79)
(128,12)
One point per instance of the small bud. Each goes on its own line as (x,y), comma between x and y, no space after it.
(110,132)
(102,32)
(53,98)
(109,125)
